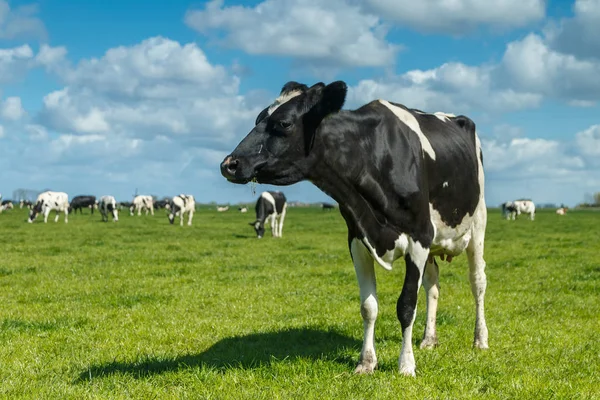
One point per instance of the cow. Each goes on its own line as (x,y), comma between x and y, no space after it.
(184,203)
(108,204)
(509,210)
(48,201)
(522,207)
(142,202)
(243,209)
(270,208)
(6,205)
(561,211)
(408,184)
(222,209)
(164,203)
(81,202)
(25,203)
(327,206)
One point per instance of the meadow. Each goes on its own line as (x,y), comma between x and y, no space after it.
(142,309)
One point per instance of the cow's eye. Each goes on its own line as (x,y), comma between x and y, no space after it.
(284,124)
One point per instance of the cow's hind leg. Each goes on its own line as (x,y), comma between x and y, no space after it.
(191,215)
(478,279)
(365,273)
(406,307)
(57,215)
(281,219)
(432,288)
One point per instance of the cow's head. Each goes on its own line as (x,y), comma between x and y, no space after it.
(35,210)
(258,228)
(173,209)
(277,150)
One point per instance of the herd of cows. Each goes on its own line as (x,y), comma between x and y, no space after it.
(270,208)
(409,184)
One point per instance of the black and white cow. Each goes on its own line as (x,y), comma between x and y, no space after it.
(408,183)
(142,203)
(164,203)
(243,209)
(6,205)
(184,203)
(107,205)
(48,201)
(81,202)
(270,207)
(25,203)
(509,210)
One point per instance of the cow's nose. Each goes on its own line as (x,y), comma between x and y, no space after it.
(229,166)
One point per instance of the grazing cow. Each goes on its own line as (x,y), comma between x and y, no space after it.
(327,206)
(562,211)
(108,204)
(222,209)
(270,207)
(243,209)
(81,202)
(525,207)
(25,203)
(48,201)
(509,210)
(142,202)
(408,184)
(164,203)
(6,205)
(184,203)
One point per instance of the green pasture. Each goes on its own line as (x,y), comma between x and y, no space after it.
(141,309)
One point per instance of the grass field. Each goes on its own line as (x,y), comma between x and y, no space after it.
(142,309)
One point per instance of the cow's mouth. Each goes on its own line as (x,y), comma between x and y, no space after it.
(236,172)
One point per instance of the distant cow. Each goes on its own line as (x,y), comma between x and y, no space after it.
(142,203)
(48,201)
(25,203)
(525,207)
(243,209)
(164,203)
(222,209)
(562,211)
(107,205)
(270,207)
(408,183)
(509,210)
(81,202)
(327,206)
(6,205)
(182,204)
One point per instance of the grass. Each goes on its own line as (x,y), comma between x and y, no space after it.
(142,309)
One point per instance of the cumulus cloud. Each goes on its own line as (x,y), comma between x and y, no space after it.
(14,62)
(578,35)
(20,22)
(333,32)
(589,141)
(460,16)
(11,109)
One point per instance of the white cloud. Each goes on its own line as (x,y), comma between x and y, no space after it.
(14,62)
(589,141)
(332,32)
(11,109)
(460,16)
(1,131)
(20,22)
(578,35)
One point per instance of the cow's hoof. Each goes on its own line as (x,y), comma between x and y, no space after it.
(429,342)
(363,369)
(481,344)
(408,371)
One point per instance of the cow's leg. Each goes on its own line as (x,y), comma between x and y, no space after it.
(365,273)
(432,288)
(281,221)
(66,211)
(406,307)
(181,215)
(478,279)
(191,215)
(46,212)
(274,224)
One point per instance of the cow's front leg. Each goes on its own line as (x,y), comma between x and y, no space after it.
(432,288)
(191,215)
(66,216)
(365,273)
(406,308)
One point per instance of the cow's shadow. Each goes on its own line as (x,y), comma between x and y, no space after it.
(241,352)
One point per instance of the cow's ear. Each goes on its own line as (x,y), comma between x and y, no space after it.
(263,114)
(323,100)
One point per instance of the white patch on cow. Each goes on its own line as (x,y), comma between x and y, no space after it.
(525,207)
(269,197)
(445,184)
(409,120)
(282,99)
(386,261)
(143,202)
(444,116)
(448,240)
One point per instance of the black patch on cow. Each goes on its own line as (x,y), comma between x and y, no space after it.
(407,302)
(81,202)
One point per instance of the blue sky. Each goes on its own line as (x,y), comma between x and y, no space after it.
(106,97)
